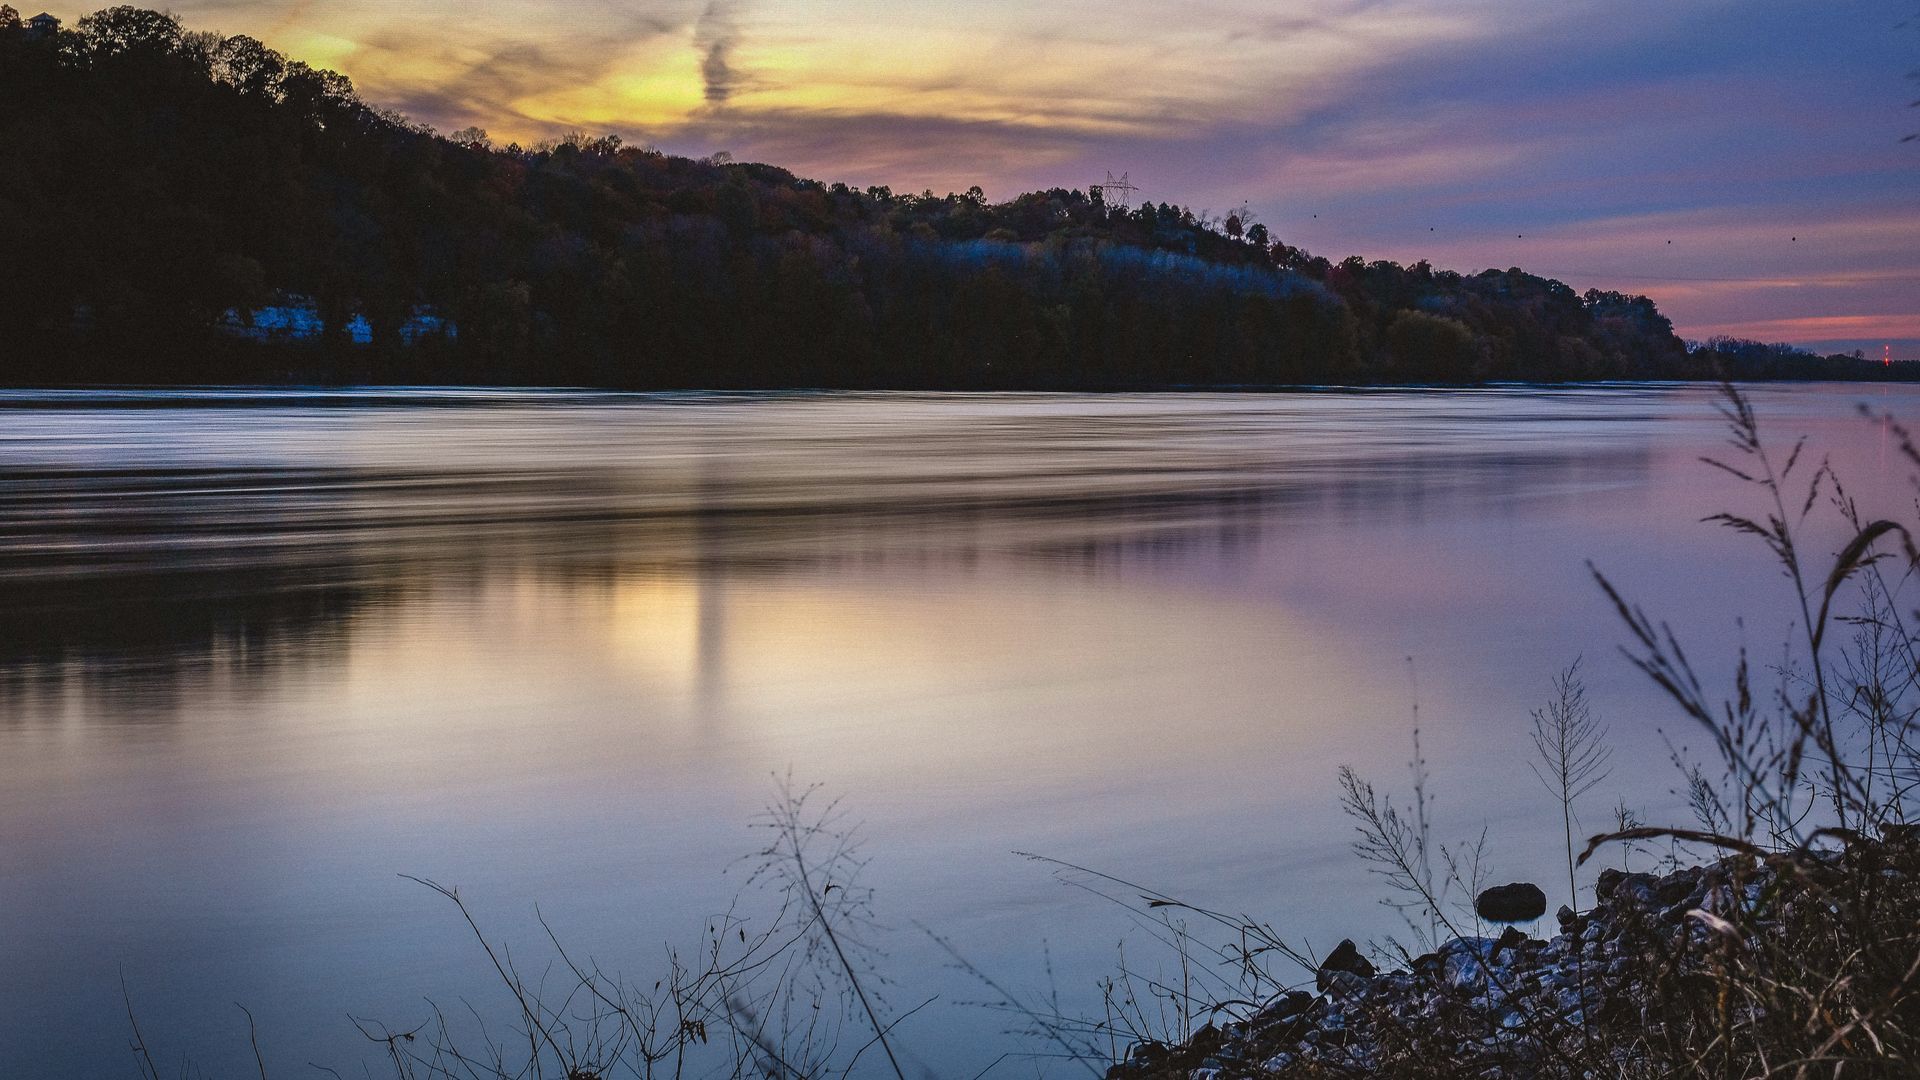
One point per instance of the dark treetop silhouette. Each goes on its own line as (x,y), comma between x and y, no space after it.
(173,202)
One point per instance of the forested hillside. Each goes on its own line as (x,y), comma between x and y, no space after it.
(159,185)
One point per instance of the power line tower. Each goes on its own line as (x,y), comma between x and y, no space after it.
(1118,193)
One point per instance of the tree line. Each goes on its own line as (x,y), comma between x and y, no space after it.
(158,182)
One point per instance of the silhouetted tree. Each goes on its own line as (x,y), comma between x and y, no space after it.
(159,185)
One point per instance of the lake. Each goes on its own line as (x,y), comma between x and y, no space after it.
(265,652)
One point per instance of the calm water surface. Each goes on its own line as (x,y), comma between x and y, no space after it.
(260,654)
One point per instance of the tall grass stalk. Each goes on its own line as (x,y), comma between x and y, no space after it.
(1573,754)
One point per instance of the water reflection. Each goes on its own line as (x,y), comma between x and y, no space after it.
(127,583)
(261,652)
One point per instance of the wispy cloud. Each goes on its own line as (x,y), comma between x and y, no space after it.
(1904,324)
(714,36)
(883,148)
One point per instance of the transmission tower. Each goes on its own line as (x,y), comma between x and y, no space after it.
(1115,192)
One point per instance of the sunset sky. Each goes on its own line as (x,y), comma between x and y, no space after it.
(1740,162)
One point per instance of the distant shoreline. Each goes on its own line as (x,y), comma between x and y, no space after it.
(294,387)
(351,246)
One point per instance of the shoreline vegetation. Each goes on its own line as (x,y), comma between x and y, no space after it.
(180,207)
(1775,935)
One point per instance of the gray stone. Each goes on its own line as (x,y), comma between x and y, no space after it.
(1288,1005)
(1342,983)
(1463,961)
(1518,902)
(1345,957)
(1609,877)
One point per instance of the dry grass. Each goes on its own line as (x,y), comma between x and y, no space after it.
(1803,958)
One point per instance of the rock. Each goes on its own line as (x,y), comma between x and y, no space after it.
(1280,1061)
(1343,984)
(1475,999)
(1345,957)
(1287,1006)
(1636,889)
(1425,966)
(1518,902)
(1675,888)
(1609,877)
(1463,961)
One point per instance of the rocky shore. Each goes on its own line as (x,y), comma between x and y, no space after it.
(1651,949)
